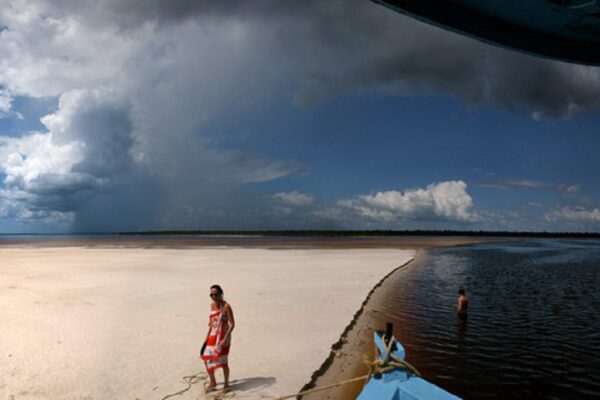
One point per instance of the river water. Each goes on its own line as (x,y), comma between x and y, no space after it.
(533,330)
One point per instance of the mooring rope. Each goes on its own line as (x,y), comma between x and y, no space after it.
(190,380)
(376,367)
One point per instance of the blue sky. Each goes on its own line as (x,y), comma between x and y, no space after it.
(248,117)
(364,144)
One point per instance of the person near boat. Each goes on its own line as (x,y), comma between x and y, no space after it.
(215,352)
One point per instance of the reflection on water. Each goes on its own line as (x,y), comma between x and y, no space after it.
(533,329)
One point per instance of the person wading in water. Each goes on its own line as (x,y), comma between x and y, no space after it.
(218,339)
(463,304)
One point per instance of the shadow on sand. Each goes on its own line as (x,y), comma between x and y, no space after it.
(252,383)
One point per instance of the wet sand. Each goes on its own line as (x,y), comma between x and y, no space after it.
(346,360)
(127,323)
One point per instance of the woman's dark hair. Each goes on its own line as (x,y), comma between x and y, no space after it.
(460,291)
(218,288)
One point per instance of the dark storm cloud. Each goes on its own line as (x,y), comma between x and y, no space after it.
(340,46)
(85,151)
(361,45)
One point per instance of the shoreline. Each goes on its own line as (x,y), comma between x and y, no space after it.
(341,346)
(246,242)
(346,359)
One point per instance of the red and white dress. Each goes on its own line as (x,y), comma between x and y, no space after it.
(216,356)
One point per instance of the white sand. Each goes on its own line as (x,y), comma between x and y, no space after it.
(80,323)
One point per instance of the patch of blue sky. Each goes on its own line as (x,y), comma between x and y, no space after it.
(26,114)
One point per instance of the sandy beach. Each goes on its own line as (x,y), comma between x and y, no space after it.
(127,323)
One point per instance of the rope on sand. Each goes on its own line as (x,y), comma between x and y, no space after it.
(376,367)
(190,380)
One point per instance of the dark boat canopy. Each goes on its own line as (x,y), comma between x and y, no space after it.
(567,30)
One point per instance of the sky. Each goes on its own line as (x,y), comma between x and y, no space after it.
(127,115)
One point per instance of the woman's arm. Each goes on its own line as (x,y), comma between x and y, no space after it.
(207,332)
(230,320)
(212,308)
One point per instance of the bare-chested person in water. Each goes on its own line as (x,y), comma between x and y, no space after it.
(463,304)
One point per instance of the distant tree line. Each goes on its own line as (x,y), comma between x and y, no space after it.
(374,233)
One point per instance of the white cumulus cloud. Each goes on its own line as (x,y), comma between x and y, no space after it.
(294,198)
(444,200)
(87,145)
(5,102)
(576,214)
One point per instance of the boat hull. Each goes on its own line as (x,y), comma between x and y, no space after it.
(399,383)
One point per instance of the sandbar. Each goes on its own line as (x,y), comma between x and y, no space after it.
(128,323)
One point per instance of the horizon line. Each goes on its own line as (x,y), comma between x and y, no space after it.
(323,232)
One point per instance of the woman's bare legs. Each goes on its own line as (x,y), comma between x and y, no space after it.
(226,377)
(212,383)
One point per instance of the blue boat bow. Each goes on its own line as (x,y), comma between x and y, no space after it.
(398,380)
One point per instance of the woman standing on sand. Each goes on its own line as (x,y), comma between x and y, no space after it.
(218,338)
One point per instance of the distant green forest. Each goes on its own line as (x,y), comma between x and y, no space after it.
(375,233)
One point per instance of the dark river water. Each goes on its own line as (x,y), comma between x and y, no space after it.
(533,330)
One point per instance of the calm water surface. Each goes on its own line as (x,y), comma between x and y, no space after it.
(533,330)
